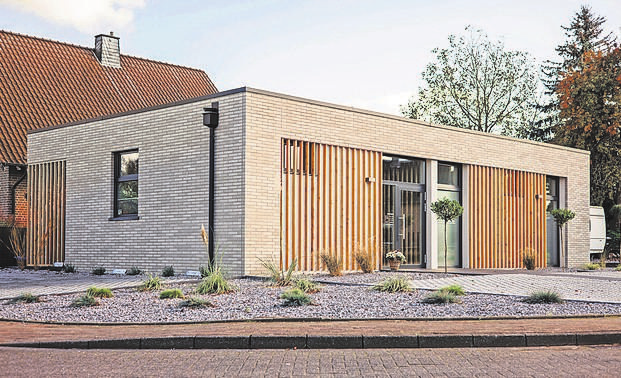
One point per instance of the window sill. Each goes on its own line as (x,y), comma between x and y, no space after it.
(124,218)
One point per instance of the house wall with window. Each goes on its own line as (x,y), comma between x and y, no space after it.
(298,177)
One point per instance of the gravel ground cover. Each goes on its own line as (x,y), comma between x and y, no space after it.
(370,279)
(255,299)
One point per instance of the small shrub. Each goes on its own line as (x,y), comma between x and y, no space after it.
(97,292)
(395,284)
(618,268)
(85,301)
(307,286)
(215,283)
(194,302)
(98,271)
(69,268)
(26,298)
(441,296)
(171,293)
(168,271)
(151,283)
(591,266)
(133,271)
(365,261)
(295,297)
(277,276)
(547,296)
(333,263)
(454,289)
(529,259)
(204,271)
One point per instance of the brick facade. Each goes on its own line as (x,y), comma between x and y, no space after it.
(13,204)
(173,184)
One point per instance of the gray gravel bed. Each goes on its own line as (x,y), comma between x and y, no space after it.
(256,300)
(370,279)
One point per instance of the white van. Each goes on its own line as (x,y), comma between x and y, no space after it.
(597,228)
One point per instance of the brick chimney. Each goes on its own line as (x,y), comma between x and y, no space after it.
(107,50)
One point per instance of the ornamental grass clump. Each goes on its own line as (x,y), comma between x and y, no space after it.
(25,298)
(168,271)
(215,282)
(85,301)
(618,268)
(529,259)
(333,263)
(98,271)
(69,268)
(397,284)
(591,266)
(151,283)
(454,289)
(547,296)
(441,297)
(98,292)
(133,271)
(171,294)
(194,302)
(364,259)
(279,277)
(307,286)
(295,297)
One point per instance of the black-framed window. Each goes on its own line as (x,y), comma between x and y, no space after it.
(126,184)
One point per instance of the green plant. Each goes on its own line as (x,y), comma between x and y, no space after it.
(591,266)
(26,298)
(215,283)
(133,271)
(69,268)
(85,301)
(194,302)
(618,268)
(396,255)
(446,210)
(441,296)
(454,289)
(562,217)
(98,271)
(97,292)
(171,293)
(295,297)
(529,259)
(277,276)
(547,296)
(333,263)
(364,259)
(393,285)
(307,286)
(151,283)
(168,271)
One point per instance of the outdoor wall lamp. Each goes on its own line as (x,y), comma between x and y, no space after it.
(211,119)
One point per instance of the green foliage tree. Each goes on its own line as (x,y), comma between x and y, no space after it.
(447,210)
(562,217)
(476,84)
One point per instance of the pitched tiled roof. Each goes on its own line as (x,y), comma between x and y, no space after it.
(46,83)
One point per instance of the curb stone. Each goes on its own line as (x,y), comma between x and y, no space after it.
(333,342)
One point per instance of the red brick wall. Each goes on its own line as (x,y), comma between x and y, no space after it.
(9,175)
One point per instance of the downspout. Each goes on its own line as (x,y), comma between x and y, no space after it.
(211,120)
(14,188)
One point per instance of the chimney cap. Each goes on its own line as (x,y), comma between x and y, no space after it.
(111,35)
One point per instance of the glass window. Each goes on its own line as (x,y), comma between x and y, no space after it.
(403,170)
(126,184)
(448,174)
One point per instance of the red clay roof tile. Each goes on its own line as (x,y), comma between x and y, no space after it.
(45,83)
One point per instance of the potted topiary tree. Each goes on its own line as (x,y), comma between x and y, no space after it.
(447,210)
(562,217)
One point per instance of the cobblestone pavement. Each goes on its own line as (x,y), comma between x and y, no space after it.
(599,361)
(574,286)
(14,282)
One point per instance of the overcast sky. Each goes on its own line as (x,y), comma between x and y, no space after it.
(368,54)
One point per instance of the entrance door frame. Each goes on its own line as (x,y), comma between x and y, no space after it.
(418,188)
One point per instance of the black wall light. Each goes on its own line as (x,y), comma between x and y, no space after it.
(211,119)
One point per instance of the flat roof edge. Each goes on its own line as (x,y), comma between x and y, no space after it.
(414,121)
(141,110)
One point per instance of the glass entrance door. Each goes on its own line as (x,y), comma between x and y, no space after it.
(403,222)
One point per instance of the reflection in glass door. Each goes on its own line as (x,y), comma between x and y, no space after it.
(411,226)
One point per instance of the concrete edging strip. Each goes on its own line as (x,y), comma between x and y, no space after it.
(333,342)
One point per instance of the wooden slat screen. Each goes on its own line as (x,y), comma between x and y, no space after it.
(327,205)
(46,213)
(507,217)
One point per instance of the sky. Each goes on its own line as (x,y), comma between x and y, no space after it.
(366,54)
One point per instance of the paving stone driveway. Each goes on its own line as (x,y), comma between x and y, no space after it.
(605,287)
(14,283)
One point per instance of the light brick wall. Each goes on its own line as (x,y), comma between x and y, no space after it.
(270,117)
(173,187)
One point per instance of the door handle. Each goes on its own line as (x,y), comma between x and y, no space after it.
(403,226)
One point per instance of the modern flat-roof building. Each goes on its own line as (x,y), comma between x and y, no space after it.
(295,177)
